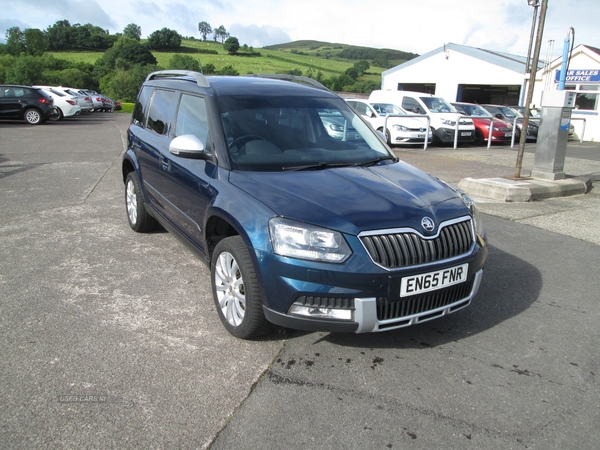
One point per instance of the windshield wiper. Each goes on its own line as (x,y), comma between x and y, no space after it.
(319,166)
(372,162)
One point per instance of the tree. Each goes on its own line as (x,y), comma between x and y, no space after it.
(228,70)
(125,53)
(35,42)
(164,39)
(220,33)
(184,62)
(125,84)
(209,69)
(132,31)
(15,41)
(231,45)
(205,29)
(58,35)
(27,70)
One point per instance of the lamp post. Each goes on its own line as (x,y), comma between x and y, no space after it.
(532,71)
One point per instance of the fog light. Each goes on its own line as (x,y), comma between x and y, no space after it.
(316,312)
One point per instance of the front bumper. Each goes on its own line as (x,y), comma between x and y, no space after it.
(368,312)
(446,135)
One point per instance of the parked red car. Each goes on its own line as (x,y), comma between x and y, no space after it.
(502,131)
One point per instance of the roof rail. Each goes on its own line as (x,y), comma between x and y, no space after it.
(284,76)
(200,78)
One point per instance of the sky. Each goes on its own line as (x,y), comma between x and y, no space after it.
(416,26)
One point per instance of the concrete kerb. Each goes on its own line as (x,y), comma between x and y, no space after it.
(525,190)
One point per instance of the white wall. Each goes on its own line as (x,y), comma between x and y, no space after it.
(448,70)
(587,123)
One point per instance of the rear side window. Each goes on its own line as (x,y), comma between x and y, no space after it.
(141,106)
(191,117)
(159,110)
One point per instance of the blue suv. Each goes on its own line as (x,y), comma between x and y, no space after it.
(305,217)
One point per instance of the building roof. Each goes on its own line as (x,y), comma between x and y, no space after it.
(504,60)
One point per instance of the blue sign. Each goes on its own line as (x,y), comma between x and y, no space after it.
(580,76)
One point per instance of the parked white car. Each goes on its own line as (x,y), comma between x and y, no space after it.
(83,100)
(65,104)
(442,114)
(398,130)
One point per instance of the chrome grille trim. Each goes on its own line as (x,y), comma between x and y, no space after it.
(406,247)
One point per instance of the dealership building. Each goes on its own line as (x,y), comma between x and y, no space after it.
(467,74)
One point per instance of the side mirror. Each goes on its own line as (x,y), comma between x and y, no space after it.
(498,116)
(188,146)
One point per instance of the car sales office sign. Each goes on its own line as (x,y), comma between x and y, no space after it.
(580,76)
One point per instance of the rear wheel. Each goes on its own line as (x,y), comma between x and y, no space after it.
(32,116)
(138,217)
(236,291)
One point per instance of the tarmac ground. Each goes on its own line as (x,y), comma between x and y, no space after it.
(110,338)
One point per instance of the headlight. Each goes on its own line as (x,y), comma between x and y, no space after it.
(470,204)
(466,198)
(304,241)
(399,128)
(336,127)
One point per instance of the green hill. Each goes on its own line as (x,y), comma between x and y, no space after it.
(307,57)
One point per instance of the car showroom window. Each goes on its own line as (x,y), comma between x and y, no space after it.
(159,110)
(587,96)
(191,117)
(141,106)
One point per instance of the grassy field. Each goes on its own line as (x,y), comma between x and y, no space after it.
(270,60)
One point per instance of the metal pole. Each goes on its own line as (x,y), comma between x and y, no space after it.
(528,61)
(534,68)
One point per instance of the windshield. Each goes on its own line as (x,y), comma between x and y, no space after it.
(509,112)
(473,110)
(383,109)
(437,105)
(284,133)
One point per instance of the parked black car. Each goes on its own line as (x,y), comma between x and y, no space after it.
(25,103)
(300,227)
(509,115)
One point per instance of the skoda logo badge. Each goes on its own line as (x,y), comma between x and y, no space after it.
(427,223)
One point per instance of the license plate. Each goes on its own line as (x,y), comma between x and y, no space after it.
(465,133)
(507,134)
(420,135)
(432,281)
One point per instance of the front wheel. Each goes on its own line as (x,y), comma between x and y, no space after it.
(236,291)
(139,219)
(56,115)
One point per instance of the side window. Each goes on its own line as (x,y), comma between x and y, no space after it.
(141,106)
(8,92)
(410,104)
(191,117)
(361,108)
(159,111)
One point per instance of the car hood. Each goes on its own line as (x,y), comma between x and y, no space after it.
(355,199)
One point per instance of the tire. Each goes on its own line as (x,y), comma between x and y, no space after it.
(479,140)
(139,219)
(58,116)
(236,291)
(32,116)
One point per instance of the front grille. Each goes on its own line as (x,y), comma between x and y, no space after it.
(406,249)
(419,304)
